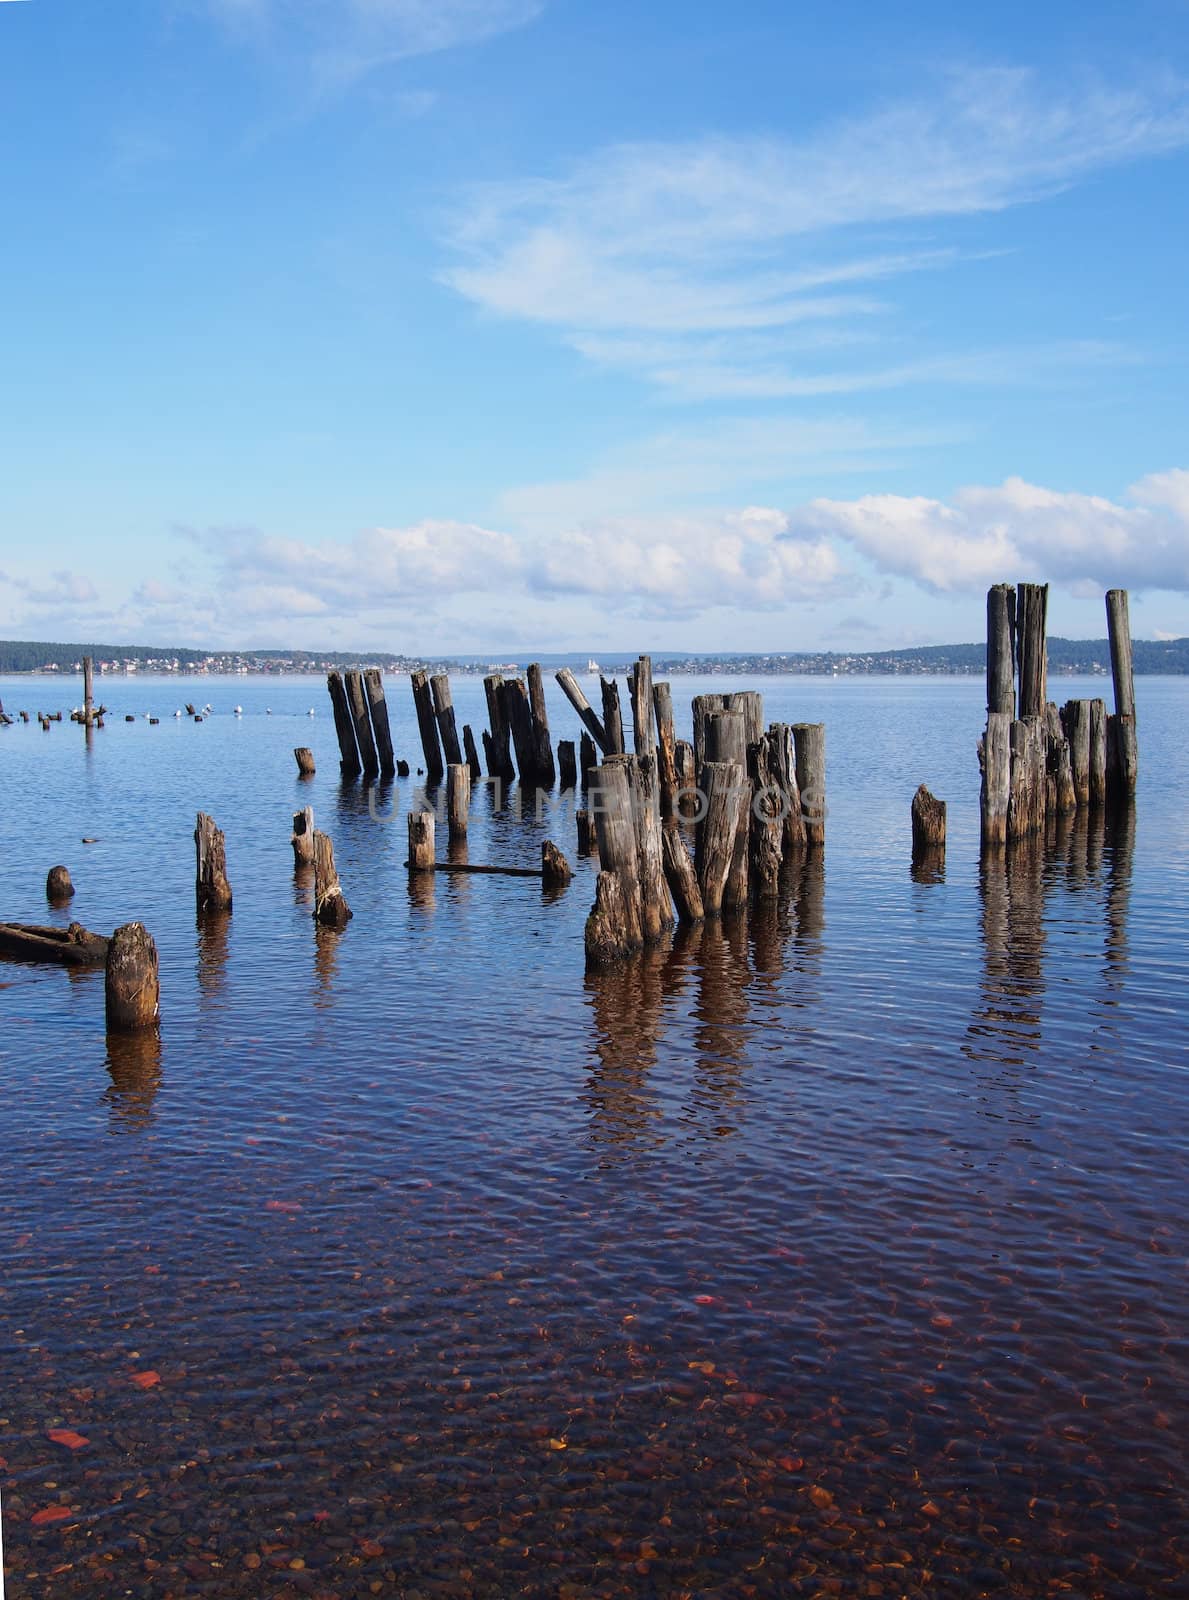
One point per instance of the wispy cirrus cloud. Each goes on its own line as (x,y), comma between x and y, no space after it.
(689,242)
(343,39)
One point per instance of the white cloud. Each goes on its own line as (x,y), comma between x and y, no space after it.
(344,39)
(1019,530)
(716,235)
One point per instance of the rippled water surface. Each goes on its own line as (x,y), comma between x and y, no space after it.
(838,1250)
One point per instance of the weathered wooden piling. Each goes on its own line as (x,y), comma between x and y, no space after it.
(1060,791)
(765,817)
(427,727)
(680,874)
(640,688)
(556,871)
(750,705)
(1075,719)
(809,744)
(1098,753)
(1026,800)
(614,927)
(573,692)
(373,682)
(928,824)
(443,705)
(784,773)
(656,904)
(330,903)
(703,706)
(1122,741)
(132,986)
(471,754)
(212,887)
(305,761)
(567,764)
(458,798)
(496,745)
(422,852)
(612,717)
(58,885)
(1001,649)
(588,759)
(364,738)
(726,741)
(544,772)
(88,690)
(588,844)
(302,837)
(344,726)
(994,754)
(687,778)
(519,717)
(723,785)
(666,743)
(1032,605)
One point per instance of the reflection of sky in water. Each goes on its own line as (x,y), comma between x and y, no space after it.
(837,1243)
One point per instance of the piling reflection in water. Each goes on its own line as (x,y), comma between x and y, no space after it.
(214,929)
(134,1066)
(326,962)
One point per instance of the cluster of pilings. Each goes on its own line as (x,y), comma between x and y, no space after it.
(754,799)
(1039,760)
(361,723)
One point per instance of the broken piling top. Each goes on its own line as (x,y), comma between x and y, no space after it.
(132,989)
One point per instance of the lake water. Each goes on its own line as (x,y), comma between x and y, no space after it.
(835,1251)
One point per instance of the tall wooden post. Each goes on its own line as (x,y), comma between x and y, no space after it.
(344,726)
(88,690)
(567,764)
(656,906)
(723,784)
(612,718)
(809,741)
(519,716)
(588,759)
(427,726)
(1098,753)
(995,761)
(640,687)
(784,768)
(132,987)
(704,705)
(357,700)
(472,755)
(666,742)
(1001,649)
(443,705)
(1032,606)
(213,889)
(499,755)
(544,772)
(1076,721)
(373,682)
(1122,741)
(726,742)
(614,927)
(750,704)
(765,817)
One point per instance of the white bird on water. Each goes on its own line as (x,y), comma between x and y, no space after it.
(177,713)
(239,711)
(310,712)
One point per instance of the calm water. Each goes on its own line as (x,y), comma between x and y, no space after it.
(839,1251)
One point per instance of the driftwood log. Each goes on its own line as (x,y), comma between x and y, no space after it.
(64,947)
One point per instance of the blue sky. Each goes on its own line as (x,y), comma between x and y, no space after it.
(447,325)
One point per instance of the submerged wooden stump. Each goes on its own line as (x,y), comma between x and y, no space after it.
(58,885)
(305,761)
(213,889)
(928,825)
(330,904)
(422,850)
(587,842)
(612,928)
(556,871)
(302,838)
(132,988)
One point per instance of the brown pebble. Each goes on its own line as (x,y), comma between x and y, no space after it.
(251,1561)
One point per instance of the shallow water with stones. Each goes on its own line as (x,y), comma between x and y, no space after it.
(835,1250)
